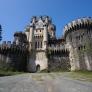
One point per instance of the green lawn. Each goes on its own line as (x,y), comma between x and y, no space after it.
(81,75)
(8,73)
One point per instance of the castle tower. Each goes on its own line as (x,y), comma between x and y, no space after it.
(37,35)
(78,36)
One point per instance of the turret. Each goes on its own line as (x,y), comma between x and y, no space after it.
(47,19)
(33,20)
(27,32)
(85,22)
(78,37)
(20,38)
(51,30)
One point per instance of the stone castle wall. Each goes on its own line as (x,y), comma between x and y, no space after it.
(78,36)
(58,59)
(38,48)
(13,57)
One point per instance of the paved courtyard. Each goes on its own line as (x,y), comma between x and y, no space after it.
(42,82)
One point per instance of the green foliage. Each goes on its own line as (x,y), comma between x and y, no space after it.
(44,71)
(6,68)
(48,53)
(54,70)
(8,73)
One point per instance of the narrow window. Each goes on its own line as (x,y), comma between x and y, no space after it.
(84,47)
(41,44)
(78,48)
(35,44)
(38,44)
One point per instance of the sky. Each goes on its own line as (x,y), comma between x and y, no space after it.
(16,14)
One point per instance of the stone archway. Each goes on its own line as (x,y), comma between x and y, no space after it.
(38,68)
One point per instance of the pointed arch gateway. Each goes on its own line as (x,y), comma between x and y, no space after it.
(37,68)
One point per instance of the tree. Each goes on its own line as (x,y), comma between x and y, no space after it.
(0,33)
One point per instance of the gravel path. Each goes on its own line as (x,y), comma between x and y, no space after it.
(42,82)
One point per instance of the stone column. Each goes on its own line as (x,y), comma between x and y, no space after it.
(31,34)
(45,38)
(27,34)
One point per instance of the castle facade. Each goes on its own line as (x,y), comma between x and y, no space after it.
(37,48)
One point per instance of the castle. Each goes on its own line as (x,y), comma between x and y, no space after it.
(37,48)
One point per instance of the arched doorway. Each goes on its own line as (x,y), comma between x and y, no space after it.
(38,68)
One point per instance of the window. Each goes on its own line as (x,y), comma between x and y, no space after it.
(38,44)
(84,47)
(41,44)
(81,36)
(35,44)
(81,47)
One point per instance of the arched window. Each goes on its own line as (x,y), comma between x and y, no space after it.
(35,44)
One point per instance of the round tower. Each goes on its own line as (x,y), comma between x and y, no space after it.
(78,36)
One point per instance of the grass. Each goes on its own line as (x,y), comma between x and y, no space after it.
(54,70)
(37,77)
(81,75)
(78,75)
(8,73)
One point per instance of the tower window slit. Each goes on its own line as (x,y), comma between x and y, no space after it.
(41,44)
(35,44)
(38,45)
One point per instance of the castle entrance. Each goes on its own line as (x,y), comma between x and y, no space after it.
(38,68)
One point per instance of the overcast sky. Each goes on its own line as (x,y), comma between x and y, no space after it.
(16,14)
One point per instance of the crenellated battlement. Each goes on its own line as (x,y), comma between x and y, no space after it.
(81,23)
(13,56)
(11,48)
(45,19)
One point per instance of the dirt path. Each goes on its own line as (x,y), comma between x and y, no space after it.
(42,82)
